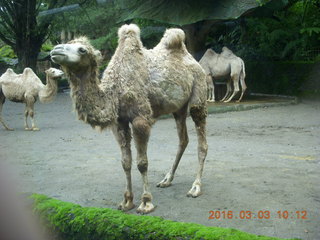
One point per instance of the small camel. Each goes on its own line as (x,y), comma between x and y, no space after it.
(225,64)
(137,87)
(26,88)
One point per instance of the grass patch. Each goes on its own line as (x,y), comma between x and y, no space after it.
(73,222)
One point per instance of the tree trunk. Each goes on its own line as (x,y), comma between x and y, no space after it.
(196,35)
(28,55)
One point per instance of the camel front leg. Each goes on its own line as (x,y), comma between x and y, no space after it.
(30,112)
(198,115)
(210,89)
(122,133)
(26,113)
(141,132)
(180,118)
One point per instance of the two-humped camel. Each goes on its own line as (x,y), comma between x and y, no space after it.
(225,64)
(26,88)
(137,87)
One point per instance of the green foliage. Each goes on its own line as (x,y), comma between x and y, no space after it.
(284,78)
(189,11)
(291,34)
(107,42)
(46,47)
(7,52)
(73,222)
(7,56)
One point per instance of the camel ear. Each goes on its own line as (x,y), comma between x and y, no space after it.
(98,55)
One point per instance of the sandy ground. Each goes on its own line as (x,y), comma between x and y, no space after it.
(266,159)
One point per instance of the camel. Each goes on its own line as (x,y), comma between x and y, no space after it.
(225,64)
(137,87)
(26,88)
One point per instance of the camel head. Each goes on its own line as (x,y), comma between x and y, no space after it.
(54,73)
(76,56)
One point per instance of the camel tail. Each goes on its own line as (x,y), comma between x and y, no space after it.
(130,30)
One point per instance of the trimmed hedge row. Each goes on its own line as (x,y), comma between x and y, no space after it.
(73,222)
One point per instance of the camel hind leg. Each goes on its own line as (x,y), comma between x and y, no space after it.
(199,114)
(2,101)
(228,91)
(180,118)
(243,84)
(235,81)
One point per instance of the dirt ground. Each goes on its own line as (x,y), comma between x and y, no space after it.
(265,159)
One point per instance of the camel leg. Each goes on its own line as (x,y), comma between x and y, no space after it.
(227,92)
(30,109)
(26,113)
(243,86)
(199,115)
(180,118)
(213,99)
(236,89)
(122,133)
(2,100)
(141,132)
(210,89)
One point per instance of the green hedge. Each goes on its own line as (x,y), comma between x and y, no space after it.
(71,221)
(277,77)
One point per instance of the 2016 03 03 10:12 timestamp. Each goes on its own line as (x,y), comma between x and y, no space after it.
(261,214)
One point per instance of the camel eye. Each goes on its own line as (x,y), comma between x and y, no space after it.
(82,50)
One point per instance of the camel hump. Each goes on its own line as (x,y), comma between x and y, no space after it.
(129,30)
(28,72)
(173,38)
(227,52)
(10,71)
(210,52)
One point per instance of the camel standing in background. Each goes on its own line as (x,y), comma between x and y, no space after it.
(138,86)
(26,88)
(225,64)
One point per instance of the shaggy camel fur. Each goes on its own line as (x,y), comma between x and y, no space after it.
(226,64)
(26,88)
(137,87)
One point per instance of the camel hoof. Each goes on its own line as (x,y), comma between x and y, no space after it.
(166,182)
(195,191)
(35,129)
(126,206)
(145,208)
(28,129)
(9,129)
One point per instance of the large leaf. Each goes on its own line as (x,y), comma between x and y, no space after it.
(190,11)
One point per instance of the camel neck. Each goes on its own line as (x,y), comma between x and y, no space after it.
(48,91)
(94,105)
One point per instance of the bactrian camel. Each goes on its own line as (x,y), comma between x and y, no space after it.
(26,88)
(136,88)
(225,64)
